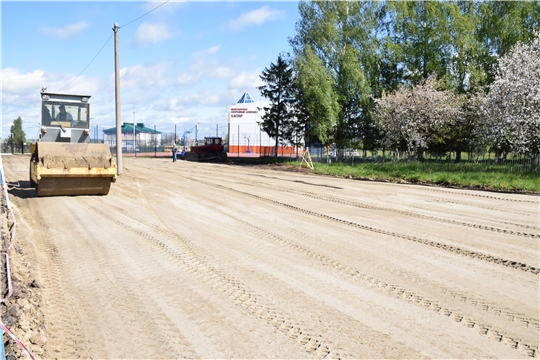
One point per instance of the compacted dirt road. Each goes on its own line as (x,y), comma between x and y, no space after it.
(198,260)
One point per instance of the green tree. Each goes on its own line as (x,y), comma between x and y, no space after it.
(465,67)
(480,34)
(340,34)
(16,132)
(502,24)
(420,34)
(317,103)
(17,135)
(279,120)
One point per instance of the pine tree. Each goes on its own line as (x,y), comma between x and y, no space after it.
(279,119)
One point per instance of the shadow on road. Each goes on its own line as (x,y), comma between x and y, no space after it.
(21,189)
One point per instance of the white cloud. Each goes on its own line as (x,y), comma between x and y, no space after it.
(149,33)
(203,97)
(66,32)
(172,104)
(255,17)
(246,81)
(16,84)
(203,67)
(210,51)
(179,120)
(21,94)
(145,77)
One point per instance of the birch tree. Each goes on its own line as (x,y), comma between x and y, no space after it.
(340,34)
(317,103)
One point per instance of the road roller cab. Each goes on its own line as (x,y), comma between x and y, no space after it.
(63,161)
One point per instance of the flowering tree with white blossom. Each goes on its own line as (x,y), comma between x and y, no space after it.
(512,108)
(416,116)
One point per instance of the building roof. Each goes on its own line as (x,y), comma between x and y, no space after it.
(128,128)
(246,98)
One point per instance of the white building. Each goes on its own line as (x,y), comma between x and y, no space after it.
(140,136)
(245,133)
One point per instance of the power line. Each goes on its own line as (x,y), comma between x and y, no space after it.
(89,62)
(157,7)
(108,41)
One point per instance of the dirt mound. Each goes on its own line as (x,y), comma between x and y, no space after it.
(21,311)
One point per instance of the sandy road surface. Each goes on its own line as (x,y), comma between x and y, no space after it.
(190,260)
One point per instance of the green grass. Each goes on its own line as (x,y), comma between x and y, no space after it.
(478,176)
(502,178)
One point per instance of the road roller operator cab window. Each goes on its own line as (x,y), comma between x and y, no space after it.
(66,114)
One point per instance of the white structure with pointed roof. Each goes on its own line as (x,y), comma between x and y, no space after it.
(245,133)
(244,129)
(245,99)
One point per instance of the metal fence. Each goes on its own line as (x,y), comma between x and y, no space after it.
(14,147)
(243,147)
(354,156)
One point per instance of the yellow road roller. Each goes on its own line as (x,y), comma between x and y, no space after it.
(63,160)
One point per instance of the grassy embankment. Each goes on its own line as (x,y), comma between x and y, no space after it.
(477,176)
(503,178)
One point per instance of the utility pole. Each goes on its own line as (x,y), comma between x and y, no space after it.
(119,167)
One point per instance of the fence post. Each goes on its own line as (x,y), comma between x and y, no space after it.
(238,140)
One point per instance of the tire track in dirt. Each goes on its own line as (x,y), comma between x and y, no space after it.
(423,301)
(118,305)
(235,290)
(114,304)
(431,188)
(463,297)
(63,326)
(462,203)
(405,294)
(468,253)
(333,330)
(482,196)
(399,291)
(425,217)
(426,188)
(411,296)
(362,205)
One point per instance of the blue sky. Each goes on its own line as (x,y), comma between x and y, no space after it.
(181,64)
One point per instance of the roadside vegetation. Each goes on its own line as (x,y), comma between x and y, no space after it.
(485,177)
(413,77)
(491,177)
